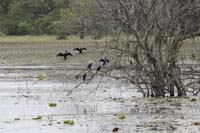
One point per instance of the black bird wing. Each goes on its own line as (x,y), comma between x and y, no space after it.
(69,54)
(101,60)
(77,49)
(84,49)
(60,54)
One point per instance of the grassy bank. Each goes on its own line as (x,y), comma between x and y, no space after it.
(44,40)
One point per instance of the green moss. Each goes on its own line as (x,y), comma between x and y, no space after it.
(69,122)
(37,118)
(121,116)
(52,104)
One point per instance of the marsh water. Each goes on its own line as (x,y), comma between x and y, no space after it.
(32,77)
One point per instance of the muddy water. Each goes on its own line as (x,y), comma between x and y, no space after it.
(27,88)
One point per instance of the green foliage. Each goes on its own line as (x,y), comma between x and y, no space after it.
(44,25)
(52,17)
(23,28)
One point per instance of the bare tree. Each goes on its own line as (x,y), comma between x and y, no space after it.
(146,48)
(156,31)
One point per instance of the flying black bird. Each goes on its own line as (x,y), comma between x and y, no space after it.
(80,50)
(84,76)
(131,62)
(98,68)
(65,55)
(104,61)
(89,66)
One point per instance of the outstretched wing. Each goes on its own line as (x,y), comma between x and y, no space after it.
(84,49)
(69,54)
(101,60)
(77,49)
(60,54)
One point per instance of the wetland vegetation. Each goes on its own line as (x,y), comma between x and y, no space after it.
(99,66)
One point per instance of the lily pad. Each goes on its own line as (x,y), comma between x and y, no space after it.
(37,118)
(52,104)
(121,116)
(69,122)
(40,77)
(193,100)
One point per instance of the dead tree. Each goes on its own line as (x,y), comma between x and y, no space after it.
(156,30)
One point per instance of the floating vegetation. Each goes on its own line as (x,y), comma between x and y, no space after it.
(172,128)
(121,100)
(40,77)
(193,100)
(58,122)
(115,129)
(17,119)
(37,118)
(121,116)
(69,122)
(52,104)
(196,123)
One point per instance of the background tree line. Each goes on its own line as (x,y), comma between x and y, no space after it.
(51,17)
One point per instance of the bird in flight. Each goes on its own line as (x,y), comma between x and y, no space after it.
(84,76)
(98,68)
(65,55)
(89,66)
(104,61)
(80,50)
